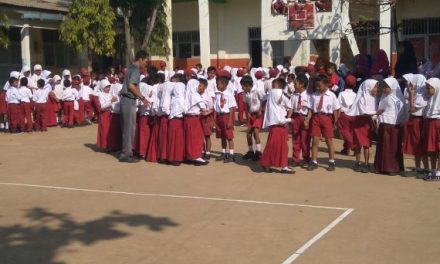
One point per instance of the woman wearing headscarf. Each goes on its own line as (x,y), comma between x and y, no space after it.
(391,114)
(176,137)
(381,64)
(432,131)
(406,59)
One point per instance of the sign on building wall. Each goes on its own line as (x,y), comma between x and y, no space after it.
(301,16)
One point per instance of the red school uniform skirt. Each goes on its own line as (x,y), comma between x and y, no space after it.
(162,146)
(389,156)
(194,137)
(142,135)
(103,129)
(362,131)
(3,104)
(432,135)
(51,112)
(345,126)
(151,155)
(176,140)
(115,133)
(275,152)
(412,136)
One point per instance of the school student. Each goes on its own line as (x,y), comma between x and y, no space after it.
(78,116)
(176,138)
(69,97)
(142,133)
(417,100)
(40,99)
(87,91)
(224,106)
(106,99)
(13,101)
(391,114)
(432,131)
(164,92)
(363,110)
(206,120)
(324,114)
(255,99)
(26,122)
(300,123)
(276,119)
(331,70)
(345,122)
(239,96)
(195,107)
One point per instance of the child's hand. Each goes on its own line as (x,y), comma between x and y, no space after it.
(306,124)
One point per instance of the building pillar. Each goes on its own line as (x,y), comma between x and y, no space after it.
(267,59)
(347,28)
(335,50)
(205,44)
(169,15)
(25,45)
(385,27)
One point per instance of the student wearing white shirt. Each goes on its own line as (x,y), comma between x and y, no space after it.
(106,99)
(363,109)
(208,119)
(276,118)
(239,96)
(164,93)
(13,101)
(416,100)
(345,122)
(115,132)
(79,102)
(254,99)
(176,139)
(300,127)
(432,131)
(391,114)
(26,122)
(224,106)
(87,92)
(69,96)
(194,108)
(40,98)
(142,133)
(325,109)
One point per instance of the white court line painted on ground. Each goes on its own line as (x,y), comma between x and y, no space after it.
(289,260)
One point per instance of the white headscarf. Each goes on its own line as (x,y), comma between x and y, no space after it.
(275,113)
(397,97)
(364,103)
(25,68)
(192,97)
(67,72)
(177,104)
(46,74)
(14,74)
(433,107)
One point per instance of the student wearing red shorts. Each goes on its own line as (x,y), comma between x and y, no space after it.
(255,99)
(324,113)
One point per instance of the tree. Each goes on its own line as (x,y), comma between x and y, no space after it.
(4,27)
(89,26)
(144,25)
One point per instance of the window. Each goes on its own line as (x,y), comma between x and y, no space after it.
(421,26)
(277,52)
(56,54)
(186,44)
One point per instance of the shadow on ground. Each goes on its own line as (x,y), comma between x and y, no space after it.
(40,241)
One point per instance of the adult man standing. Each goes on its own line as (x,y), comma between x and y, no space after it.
(129,93)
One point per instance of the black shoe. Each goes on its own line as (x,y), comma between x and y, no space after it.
(266,169)
(304,164)
(206,156)
(221,157)
(257,155)
(128,160)
(312,166)
(229,158)
(175,163)
(345,152)
(365,168)
(200,163)
(358,167)
(249,155)
(288,171)
(331,166)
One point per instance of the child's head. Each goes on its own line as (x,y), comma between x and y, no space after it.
(301,83)
(350,81)
(41,83)
(199,67)
(330,68)
(430,90)
(386,89)
(247,83)
(161,77)
(291,77)
(321,83)
(13,82)
(375,90)
(211,72)
(66,83)
(222,83)
(279,83)
(24,82)
(203,83)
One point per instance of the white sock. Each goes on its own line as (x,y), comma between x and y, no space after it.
(314,161)
(286,169)
(224,151)
(208,153)
(437,174)
(231,151)
(331,161)
(200,159)
(259,147)
(6,125)
(2,126)
(250,148)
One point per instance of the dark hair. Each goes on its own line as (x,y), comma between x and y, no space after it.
(247,81)
(66,83)
(302,79)
(161,77)
(199,65)
(331,65)
(211,68)
(23,81)
(41,83)
(291,75)
(12,80)
(203,82)
(281,82)
(223,79)
(77,78)
(180,77)
(142,54)
(322,78)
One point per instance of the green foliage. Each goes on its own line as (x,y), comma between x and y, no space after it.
(158,44)
(4,27)
(89,26)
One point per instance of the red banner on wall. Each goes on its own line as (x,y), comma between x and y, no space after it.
(301,16)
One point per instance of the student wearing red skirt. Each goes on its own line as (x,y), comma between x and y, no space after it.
(300,128)
(275,152)
(416,99)
(164,96)
(142,133)
(3,106)
(195,107)
(26,122)
(13,101)
(391,114)
(363,109)
(176,137)
(255,99)
(345,122)
(323,114)
(106,100)
(432,131)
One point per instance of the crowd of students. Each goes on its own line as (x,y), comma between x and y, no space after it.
(180,110)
